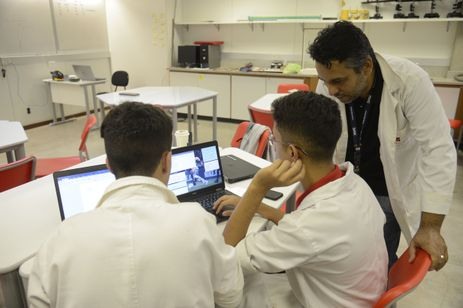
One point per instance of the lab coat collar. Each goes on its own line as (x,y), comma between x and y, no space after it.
(139,185)
(333,175)
(332,188)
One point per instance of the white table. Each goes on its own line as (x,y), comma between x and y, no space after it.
(170,98)
(73,93)
(29,214)
(12,139)
(264,104)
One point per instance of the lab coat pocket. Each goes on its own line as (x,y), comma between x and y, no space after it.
(402,137)
(406,157)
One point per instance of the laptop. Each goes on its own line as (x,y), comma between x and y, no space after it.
(79,190)
(85,72)
(196,175)
(235,169)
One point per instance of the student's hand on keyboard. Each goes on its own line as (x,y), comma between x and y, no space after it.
(279,173)
(226,204)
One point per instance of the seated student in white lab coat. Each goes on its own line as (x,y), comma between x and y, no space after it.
(140,247)
(332,245)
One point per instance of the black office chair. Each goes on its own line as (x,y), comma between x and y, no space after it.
(120,79)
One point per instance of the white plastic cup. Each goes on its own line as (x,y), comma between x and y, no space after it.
(181,137)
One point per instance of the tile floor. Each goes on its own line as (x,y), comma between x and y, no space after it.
(439,289)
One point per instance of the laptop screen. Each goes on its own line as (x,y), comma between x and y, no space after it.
(195,169)
(84,72)
(79,190)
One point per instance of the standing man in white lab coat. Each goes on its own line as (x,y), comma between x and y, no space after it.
(140,247)
(395,133)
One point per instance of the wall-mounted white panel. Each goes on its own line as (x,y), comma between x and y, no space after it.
(80,24)
(26,27)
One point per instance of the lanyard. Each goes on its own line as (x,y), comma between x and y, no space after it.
(356,133)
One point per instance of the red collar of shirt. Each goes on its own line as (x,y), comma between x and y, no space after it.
(335,174)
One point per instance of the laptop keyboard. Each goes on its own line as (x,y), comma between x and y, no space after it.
(207,203)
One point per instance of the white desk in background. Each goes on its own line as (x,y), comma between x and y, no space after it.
(264,104)
(29,214)
(12,139)
(73,93)
(170,98)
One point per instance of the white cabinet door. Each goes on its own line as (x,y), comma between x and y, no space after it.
(217,83)
(273,82)
(183,80)
(245,90)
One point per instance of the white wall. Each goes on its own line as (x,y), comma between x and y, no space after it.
(29,50)
(140,40)
(433,45)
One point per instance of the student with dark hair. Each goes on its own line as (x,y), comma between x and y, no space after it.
(137,247)
(331,246)
(395,133)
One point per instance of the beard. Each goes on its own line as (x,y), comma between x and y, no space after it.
(360,88)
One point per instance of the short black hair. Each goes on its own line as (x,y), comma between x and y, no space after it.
(135,137)
(342,42)
(309,120)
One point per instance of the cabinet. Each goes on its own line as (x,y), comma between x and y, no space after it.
(217,83)
(246,90)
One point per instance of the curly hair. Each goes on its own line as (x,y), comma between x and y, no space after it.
(135,137)
(310,120)
(343,42)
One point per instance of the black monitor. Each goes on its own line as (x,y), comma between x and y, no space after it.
(188,56)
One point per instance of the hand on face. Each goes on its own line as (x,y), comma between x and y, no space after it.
(280,173)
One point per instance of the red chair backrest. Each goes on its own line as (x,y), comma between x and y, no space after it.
(263,118)
(455,124)
(286,87)
(17,173)
(91,121)
(404,277)
(241,131)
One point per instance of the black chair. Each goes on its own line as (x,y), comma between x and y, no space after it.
(120,79)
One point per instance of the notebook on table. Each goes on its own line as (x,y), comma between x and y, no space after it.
(197,176)
(235,169)
(85,73)
(79,190)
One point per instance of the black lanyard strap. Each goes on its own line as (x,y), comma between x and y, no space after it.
(357,133)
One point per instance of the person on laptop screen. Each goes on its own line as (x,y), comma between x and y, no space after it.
(332,245)
(140,247)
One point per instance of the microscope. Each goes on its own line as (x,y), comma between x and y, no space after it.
(377,14)
(398,10)
(412,11)
(457,9)
(433,13)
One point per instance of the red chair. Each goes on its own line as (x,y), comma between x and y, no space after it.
(241,131)
(457,124)
(404,277)
(17,173)
(261,117)
(289,87)
(46,166)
